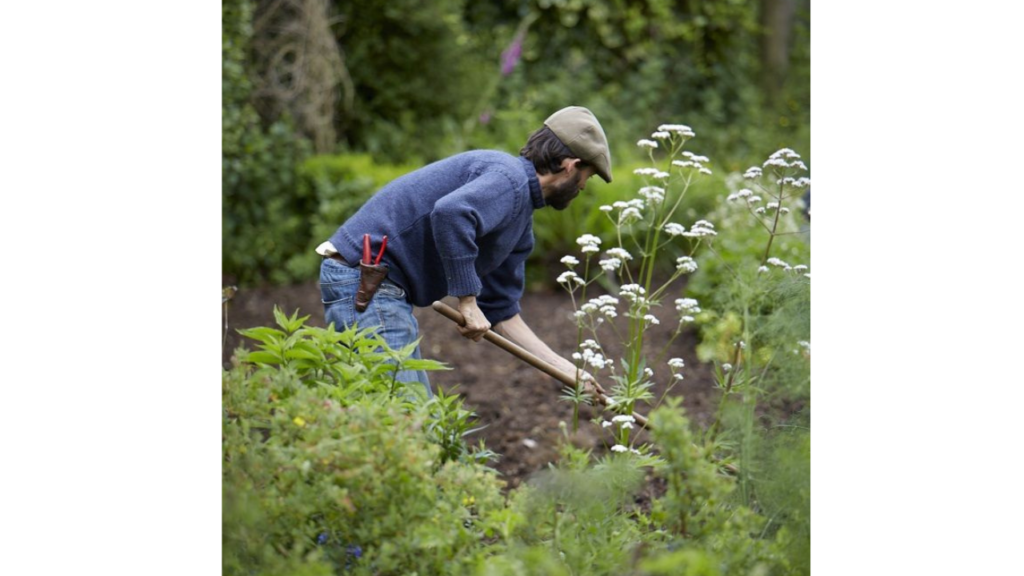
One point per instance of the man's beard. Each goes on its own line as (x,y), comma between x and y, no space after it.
(563,194)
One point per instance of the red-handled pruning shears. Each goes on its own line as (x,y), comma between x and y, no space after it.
(366,250)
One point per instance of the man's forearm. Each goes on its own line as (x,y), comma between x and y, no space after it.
(515,329)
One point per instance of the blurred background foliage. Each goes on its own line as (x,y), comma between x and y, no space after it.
(324,101)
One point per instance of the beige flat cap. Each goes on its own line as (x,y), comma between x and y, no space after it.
(579,129)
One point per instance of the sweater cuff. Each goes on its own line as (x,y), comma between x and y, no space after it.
(497,315)
(460,273)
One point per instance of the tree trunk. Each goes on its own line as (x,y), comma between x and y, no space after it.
(777,21)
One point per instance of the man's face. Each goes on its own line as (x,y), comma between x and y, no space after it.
(572,182)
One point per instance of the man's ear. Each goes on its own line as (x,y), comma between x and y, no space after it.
(573,163)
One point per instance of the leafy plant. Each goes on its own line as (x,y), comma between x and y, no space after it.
(352,363)
(642,228)
(316,487)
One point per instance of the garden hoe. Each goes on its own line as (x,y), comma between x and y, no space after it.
(531,359)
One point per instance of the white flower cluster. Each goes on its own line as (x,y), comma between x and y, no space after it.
(687,307)
(594,359)
(654,194)
(630,210)
(629,215)
(647,144)
(620,253)
(779,263)
(674,229)
(676,364)
(632,292)
(619,448)
(781,157)
(752,173)
(624,422)
(700,229)
(693,161)
(570,261)
(603,304)
(686,264)
(569,277)
(805,344)
(681,129)
(611,264)
(589,243)
(802,183)
(651,319)
(652,172)
(726,367)
(773,206)
(744,193)
(762,269)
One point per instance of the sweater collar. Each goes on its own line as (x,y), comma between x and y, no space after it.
(531,176)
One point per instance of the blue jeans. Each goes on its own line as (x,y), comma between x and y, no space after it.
(389,311)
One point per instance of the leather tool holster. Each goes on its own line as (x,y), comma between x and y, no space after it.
(370,277)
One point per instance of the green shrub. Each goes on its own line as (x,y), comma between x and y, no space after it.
(264,220)
(770,310)
(326,469)
(710,532)
(416,72)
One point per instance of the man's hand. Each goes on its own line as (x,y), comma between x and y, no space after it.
(476,323)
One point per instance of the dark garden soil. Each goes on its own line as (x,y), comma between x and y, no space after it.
(517,404)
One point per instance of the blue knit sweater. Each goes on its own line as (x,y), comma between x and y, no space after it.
(458,227)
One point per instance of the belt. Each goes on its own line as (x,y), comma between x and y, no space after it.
(338,257)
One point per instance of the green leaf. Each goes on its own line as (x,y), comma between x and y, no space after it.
(407,350)
(301,353)
(260,357)
(424,364)
(349,372)
(472,430)
(294,322)
(263,334)
(309,347)
(625,365)
(279,317)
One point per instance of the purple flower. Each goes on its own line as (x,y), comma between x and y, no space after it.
(485,117)
(322,538)
(510,56)
(354,550)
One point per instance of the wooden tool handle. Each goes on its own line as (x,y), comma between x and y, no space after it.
(528,357)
